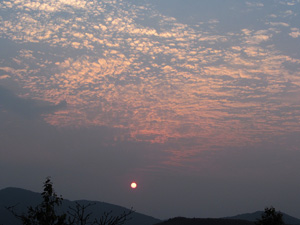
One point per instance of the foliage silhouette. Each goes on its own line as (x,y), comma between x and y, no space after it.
(270,217)
(46,212)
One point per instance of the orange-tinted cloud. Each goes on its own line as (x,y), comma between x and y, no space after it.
(173,83)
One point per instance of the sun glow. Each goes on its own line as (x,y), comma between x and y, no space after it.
(133,185)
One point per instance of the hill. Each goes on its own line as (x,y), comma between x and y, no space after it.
(255,215)
(208,221)
(23,198)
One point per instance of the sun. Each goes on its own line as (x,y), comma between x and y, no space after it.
(133,185)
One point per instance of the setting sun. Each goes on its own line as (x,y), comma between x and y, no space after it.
(133,185)
(166,106)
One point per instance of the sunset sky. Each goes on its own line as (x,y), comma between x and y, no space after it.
(197,101)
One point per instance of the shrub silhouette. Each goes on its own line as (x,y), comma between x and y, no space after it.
(46,212)
(270,217)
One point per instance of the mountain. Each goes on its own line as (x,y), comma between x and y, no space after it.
(208,221)
(255,215)
(242,219)
(21,199)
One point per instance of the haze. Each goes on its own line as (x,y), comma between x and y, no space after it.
(196,101)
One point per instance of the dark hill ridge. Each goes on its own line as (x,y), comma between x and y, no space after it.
(256,215)
(24,198)
(243,219)
(208,221)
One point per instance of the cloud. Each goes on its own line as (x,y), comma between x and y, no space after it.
(289,13)
(254,4)
(295,32)
(2,77)
(258,37)
(145,80)
(26,107)
(279,24)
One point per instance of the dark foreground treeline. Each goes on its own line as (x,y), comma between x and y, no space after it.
(196,221)
(48,208)
(22,207)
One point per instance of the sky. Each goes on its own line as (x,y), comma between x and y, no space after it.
(198,102)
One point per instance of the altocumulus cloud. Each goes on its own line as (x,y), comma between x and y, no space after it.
(26,107)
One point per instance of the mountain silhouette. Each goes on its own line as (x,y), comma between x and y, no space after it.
(256,215)
(207,221)
(242,219)
(22,199)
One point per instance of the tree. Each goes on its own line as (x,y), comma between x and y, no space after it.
(270,217)
(46,213)
(78,216)
(109,219)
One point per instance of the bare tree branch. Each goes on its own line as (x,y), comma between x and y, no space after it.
(108,219)
(78,215)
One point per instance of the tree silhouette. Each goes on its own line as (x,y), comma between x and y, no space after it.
(270,217)
(46,213)
(78,215)
(109,219)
